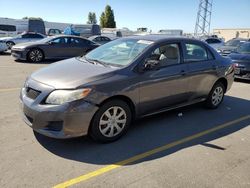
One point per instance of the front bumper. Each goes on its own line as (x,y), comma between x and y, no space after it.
(19,54)
(56,121)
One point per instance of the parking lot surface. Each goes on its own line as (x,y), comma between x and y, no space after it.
(188,147)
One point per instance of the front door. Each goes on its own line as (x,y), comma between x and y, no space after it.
(165,85)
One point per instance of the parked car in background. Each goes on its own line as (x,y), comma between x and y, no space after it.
(100,39)
(231,46)
(56,47)
(215,42)
(102,92)
(3,46)
(241,59)
(22,38)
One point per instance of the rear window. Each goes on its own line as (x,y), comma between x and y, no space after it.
(196,52)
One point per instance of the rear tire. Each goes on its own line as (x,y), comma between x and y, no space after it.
(111,121)
(35,55)
(215,96)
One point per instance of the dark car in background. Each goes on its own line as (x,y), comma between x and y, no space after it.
(100,39)
(230,46)
(214,42)
(56,47)
(241,60)
(102,92)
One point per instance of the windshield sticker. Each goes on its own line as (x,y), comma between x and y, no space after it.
(145,42)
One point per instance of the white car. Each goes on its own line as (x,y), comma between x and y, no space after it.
(22,38)
(3,46)
(214,42)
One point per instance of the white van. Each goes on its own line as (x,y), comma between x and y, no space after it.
(7,30)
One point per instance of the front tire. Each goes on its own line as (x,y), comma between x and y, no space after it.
(215,96)
(111,121)
(35,55)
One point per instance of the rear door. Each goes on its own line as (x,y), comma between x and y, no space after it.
(58,48)
(35,37)
(78,46)
(202,69)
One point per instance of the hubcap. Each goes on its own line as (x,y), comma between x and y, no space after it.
(112,121)
(36,55)
(217,96)
(9,45)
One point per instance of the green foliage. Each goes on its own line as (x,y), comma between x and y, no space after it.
(32,18)
(91,18)
(102,20)
(107,18)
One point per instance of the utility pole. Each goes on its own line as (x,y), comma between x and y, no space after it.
(202,26)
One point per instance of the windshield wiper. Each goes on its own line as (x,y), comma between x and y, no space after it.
(97,61)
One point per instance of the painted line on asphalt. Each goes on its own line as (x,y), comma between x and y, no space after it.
(146,154)
(9,89)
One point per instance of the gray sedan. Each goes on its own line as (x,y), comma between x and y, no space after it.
(101,93)
(22,38)
(57,47)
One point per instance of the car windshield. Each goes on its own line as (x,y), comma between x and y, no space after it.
(245,48)
(233,42)
(120,52)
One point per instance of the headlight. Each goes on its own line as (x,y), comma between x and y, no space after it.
(218,50)
(63,96)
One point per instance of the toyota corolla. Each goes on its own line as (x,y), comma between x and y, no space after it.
(101,93)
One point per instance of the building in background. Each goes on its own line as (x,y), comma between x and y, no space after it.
(228,34)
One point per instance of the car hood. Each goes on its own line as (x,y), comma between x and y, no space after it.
(71,73)
(239,56)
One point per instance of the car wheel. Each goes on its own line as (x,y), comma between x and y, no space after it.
(215,96)
(35,55)
(10,44)
(111,121)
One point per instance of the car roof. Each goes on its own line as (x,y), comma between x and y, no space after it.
(161,38)
(72,36)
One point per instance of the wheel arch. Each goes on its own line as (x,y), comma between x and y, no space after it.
(125,99)
(223,81)
(33,48)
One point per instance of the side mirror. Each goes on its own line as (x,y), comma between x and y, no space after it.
(150,64)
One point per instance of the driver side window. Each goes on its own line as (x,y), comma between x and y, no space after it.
(168,54)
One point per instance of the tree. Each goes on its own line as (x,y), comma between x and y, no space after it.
(102,20)
(31,18)
(91,18)
(107,18)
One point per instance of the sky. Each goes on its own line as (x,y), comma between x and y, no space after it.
(153,14)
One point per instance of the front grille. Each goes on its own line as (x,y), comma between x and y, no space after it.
(32,93)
